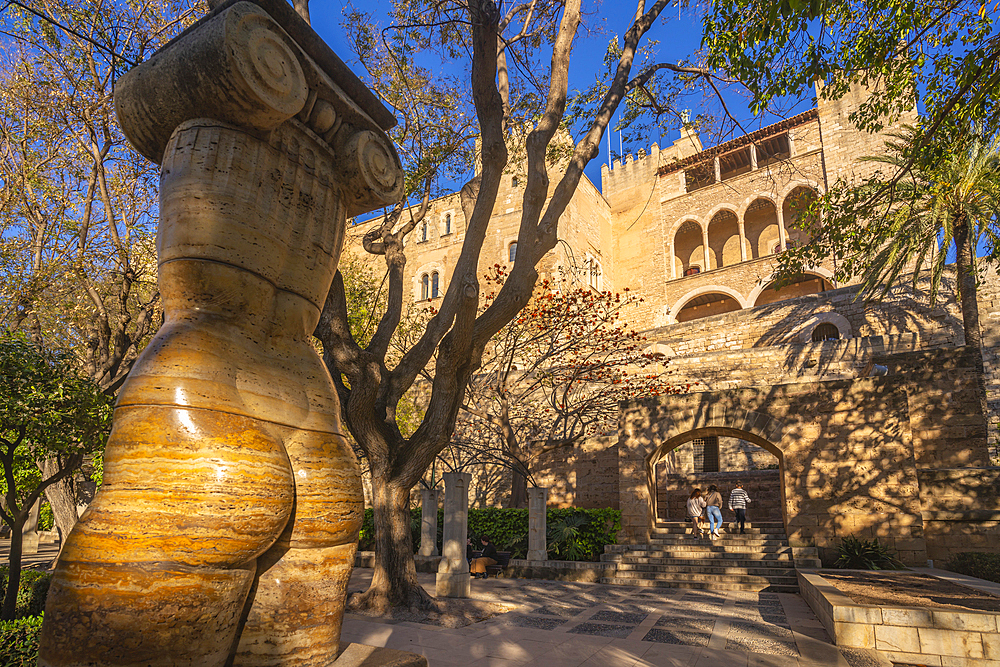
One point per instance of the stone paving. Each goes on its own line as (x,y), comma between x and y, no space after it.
(565,624)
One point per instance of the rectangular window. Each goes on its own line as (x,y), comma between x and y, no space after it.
(700,176)
(734,163)
(706,454)
(773,149)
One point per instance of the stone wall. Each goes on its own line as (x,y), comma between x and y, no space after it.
(904,315)
(961,510)
(763,487)
(989,324)
(582,476)
(849,449)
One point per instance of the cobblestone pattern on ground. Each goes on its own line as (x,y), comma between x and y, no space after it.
(566,624)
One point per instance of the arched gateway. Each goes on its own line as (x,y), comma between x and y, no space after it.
(845,450)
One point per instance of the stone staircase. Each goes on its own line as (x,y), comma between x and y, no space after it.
(759,560)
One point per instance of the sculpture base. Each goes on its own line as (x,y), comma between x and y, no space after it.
(361,655)
(537,554)
(453,585)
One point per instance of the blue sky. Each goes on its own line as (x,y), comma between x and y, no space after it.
(678,35)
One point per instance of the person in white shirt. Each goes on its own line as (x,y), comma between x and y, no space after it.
(695,506)
(738,501)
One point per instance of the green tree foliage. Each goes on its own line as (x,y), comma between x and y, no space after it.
(941,54)
(48,412)
(78,207)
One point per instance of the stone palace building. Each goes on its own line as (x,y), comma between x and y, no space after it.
(840,416)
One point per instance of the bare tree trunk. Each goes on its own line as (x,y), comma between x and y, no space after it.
(394,581)
(518,488)
(61,498)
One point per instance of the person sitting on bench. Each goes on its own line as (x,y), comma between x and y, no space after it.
(489,557)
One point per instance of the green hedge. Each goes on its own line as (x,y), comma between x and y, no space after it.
(31,593)
(584,532)
(19,641)
(976,564)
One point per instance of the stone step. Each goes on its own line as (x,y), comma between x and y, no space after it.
(766,572)
(701,585)
(786,563)
(702,548)
(749,525)
(724,539)
(706,577)
(709,558)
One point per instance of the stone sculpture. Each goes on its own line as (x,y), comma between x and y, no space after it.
(228,519)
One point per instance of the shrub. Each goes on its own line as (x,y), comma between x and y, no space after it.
(582,536)
(857,554)
(19,641)
(46,519)
(31,592)
(976,564)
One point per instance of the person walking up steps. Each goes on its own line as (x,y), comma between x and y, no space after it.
(695,506)
(714,502)
(738,500)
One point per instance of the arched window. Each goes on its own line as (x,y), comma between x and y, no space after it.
(447,223)
(512,252)
(425,283)
(423,232)
(825,331)
(434,285)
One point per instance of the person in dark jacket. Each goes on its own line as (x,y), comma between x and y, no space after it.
(489,557)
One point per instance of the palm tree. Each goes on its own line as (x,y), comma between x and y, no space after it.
(949,194)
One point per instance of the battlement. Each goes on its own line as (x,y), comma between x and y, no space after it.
(630,171)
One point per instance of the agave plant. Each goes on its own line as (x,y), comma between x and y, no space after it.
(858,554)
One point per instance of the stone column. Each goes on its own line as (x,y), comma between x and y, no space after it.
(453,571)
(538,498)
(782,238)
(29,532)
(226,527)
(705,248)
(428,522)
(743,241)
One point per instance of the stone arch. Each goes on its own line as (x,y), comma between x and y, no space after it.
(665,431)
(741,210)
(724,238)
(688,246)
(804,334)
(793,201)
(755,295)
(680,303)
(760,224)
(672,230)
(798,183)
